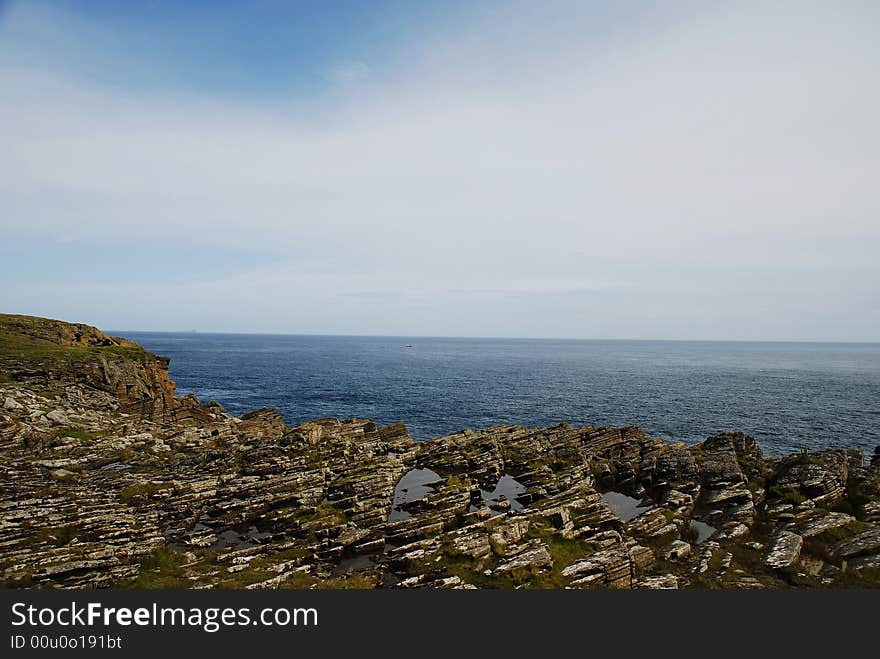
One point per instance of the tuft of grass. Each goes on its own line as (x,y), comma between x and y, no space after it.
(867,578)
(130,494)
(58,536)
(788,494)
(690,533)
(457,481)
(831,536)
(324,513)
(304,581)
(563,551)
(76,433)
(161,570)
(754,485)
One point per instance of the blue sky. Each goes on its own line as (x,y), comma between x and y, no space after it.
(262,49)
(555,169)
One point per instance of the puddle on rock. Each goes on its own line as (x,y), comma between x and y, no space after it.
(354,564)
(704,531)
(233,540)
(628,508)
(625,507)
(507,489)
(415,485)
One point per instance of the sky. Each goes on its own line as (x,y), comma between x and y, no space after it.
(690,170)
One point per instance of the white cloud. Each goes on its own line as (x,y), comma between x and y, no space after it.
(689,159)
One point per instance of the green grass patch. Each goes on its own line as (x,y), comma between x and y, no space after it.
(305,581)
(326,512)
(20,344)
(788,494)
(564,552)
(77,433)
(57,536)
(831,536)
(754,485)
(129,495)
(161,569)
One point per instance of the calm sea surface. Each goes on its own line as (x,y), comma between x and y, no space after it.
(787,395)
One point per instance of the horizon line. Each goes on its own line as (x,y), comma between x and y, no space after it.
(488,337)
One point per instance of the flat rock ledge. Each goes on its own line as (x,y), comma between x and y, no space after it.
(783,550)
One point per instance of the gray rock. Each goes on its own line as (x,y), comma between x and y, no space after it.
(58,417)
(783,549)
(867,542)
(870,562)
(676,550)
(823,523)
(659,582)
(536,557)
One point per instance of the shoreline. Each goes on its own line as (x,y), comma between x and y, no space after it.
(114,480)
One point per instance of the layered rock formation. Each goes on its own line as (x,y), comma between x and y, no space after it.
(109,479)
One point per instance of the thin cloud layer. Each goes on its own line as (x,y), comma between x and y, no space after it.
(703,173)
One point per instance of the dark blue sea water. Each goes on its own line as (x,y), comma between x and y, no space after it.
(787,395)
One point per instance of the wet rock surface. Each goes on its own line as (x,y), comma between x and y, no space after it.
(111,480)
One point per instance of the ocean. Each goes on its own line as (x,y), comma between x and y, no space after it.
(786,395)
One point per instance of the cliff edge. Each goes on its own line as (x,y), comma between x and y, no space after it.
(112,373)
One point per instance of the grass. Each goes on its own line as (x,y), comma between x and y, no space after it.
(831,536)
(598,467)
(805,458)
(788,494)
(452,563)
(867,578)
(690,533)
(457,481)
(160,570)
(76,433)
(164,568)
(326,512)
(564,553)
(57,536)
(304,581)
(754,485)
(19,343)
(470,572)
(860,494)
(129,494)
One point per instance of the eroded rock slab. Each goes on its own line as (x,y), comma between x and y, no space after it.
(783,550)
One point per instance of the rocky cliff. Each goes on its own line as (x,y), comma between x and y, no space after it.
(109,479)
(113,373)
